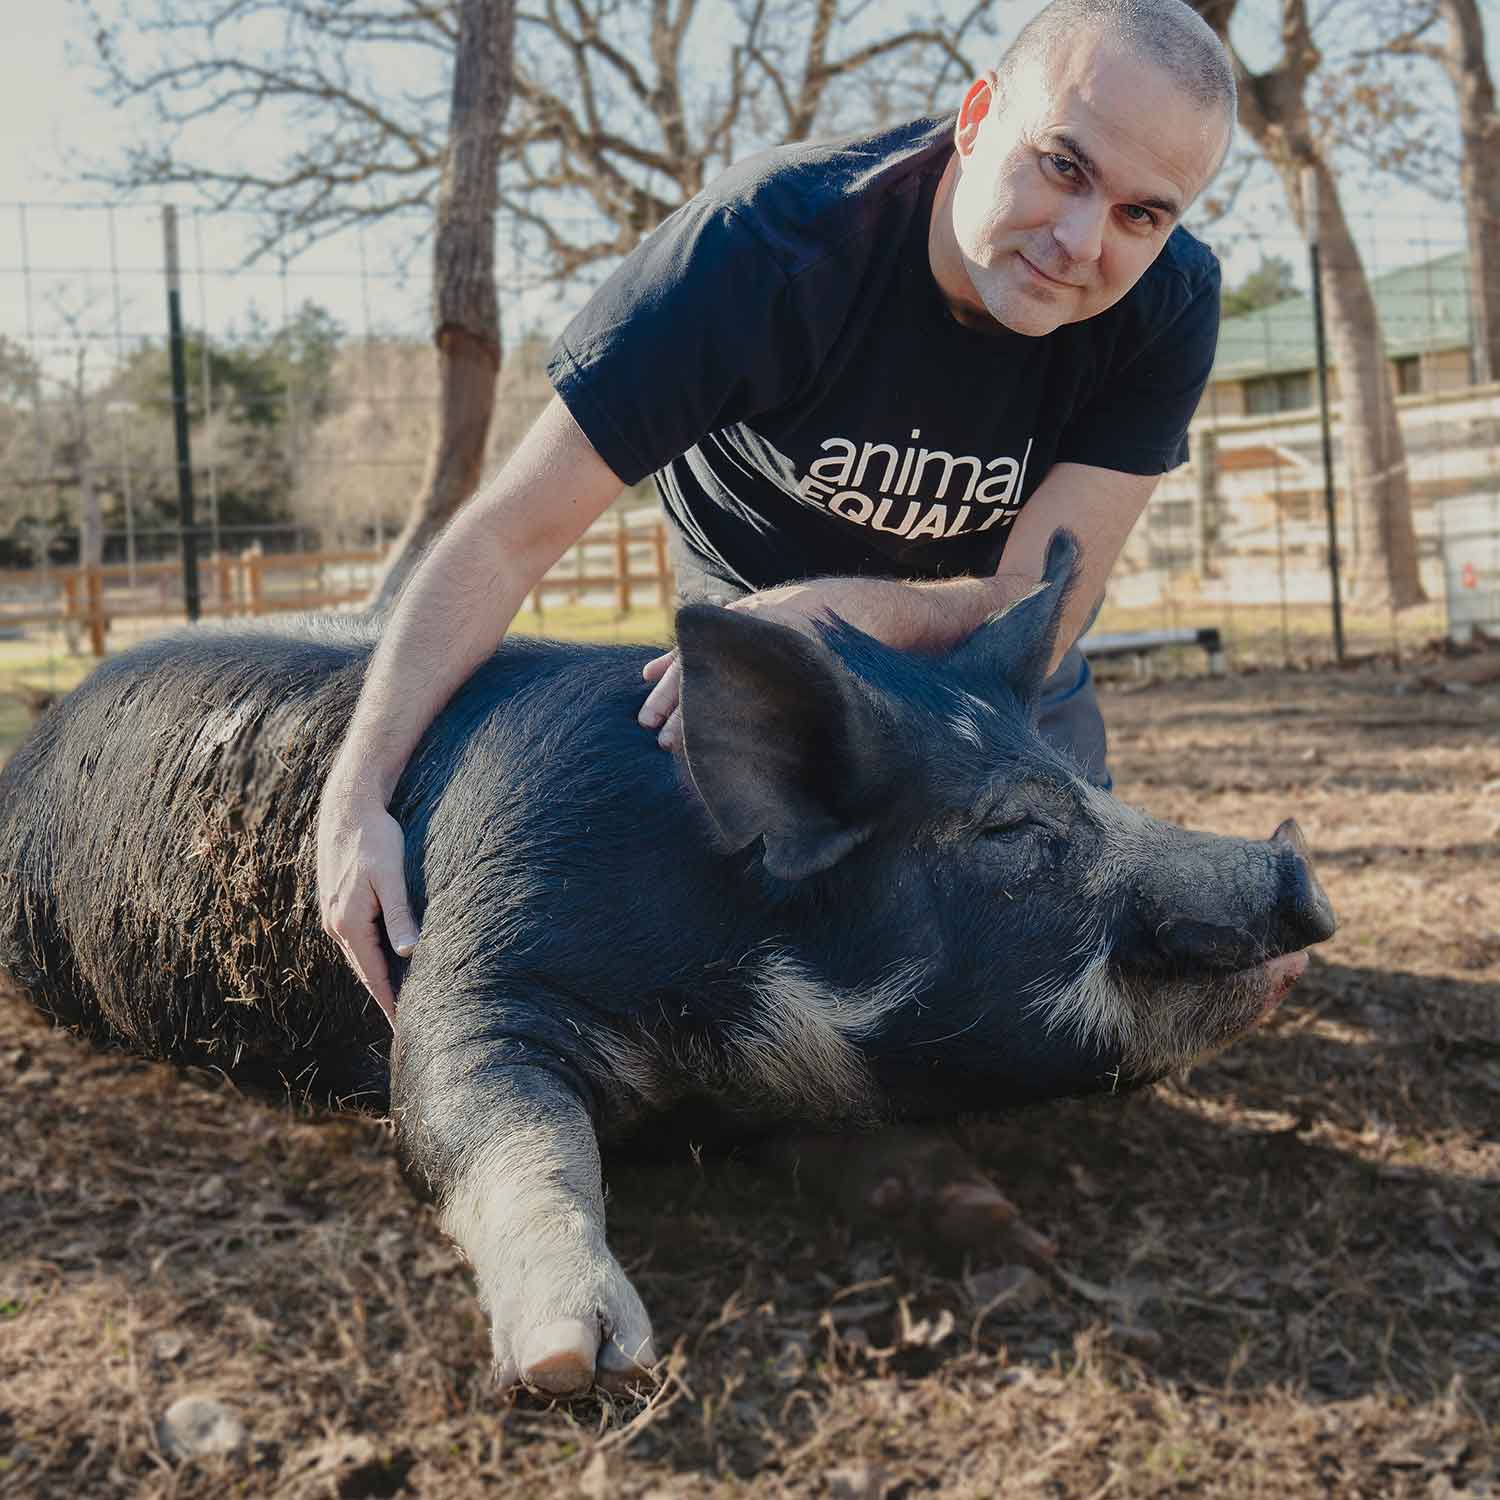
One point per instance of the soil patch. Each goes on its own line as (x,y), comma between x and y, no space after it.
(1280,1274)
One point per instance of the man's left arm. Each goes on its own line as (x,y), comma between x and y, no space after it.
(1098,505)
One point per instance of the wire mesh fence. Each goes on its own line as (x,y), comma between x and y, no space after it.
(619,568)
(312,391)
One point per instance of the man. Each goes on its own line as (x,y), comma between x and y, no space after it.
(870,378)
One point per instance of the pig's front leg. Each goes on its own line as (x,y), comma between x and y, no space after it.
(511,1154)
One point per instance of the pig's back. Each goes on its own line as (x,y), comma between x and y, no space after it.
(156,863)
(157,844)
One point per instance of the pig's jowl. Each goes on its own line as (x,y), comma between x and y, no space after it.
(863,890)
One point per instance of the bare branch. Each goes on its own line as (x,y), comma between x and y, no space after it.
(607,116)
(1237,173)
(956,60)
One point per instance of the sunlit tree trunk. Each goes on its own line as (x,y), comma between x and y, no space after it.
(1273,110)
(1463,57)
(90,510)
(466,310)
(1385,543)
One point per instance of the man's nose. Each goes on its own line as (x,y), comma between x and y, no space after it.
(1079,230)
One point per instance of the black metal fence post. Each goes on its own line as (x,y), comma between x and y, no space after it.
(1314,255)
(190,594)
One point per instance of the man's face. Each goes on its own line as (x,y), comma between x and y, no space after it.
(1067,190)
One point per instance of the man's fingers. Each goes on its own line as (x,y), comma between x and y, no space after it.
(361,883)
(657,665)
(662,699)
(401,929)
(671,732)
(369,964)
(400,925)
(386,1000)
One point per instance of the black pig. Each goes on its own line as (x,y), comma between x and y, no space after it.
(864,889)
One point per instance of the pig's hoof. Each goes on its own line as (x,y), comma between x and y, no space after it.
(566,1335)
(971,1214)
(915,1185)
(559,1358)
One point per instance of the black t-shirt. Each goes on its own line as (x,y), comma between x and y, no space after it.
(778,354)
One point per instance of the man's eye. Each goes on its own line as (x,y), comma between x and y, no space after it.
(1141,216)
(1064,166)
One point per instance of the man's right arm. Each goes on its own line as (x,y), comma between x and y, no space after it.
(452,614)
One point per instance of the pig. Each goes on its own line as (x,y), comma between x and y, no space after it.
(863,889)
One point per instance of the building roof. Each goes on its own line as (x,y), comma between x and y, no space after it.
(1422,308)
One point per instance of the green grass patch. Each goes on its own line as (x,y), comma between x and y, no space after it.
(582,622)
(27,666)
(1254,634)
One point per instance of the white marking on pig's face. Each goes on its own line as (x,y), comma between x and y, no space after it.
(1181,1021)
(1157,1026)
(1128,841)
(1085,1001)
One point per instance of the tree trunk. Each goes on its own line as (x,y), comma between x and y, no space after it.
(1385,572)
(1273,110)
(466,311)
(90,512)
(90,517)
(1463,57)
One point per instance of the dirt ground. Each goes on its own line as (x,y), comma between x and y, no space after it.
(1279,1276)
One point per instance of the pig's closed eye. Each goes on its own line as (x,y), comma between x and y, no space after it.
(1005,830)
(1014,828)
(1035,841)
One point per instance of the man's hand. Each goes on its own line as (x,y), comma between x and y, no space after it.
(794,604)
(916,616)
(453,612)
(361,880)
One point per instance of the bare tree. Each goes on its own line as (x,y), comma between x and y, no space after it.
(90,515)
(1274,111)
(613,129)
(466,307)
(74,459)
(621,109)
(1451,33)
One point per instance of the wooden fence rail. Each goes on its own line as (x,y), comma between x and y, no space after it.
(86,601)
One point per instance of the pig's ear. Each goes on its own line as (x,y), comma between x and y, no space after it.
(777,738)
(1016,646)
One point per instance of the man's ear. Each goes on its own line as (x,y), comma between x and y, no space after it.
(1015,647)
(971,113)
(778,738)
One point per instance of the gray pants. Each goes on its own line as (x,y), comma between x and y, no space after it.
(1070,717)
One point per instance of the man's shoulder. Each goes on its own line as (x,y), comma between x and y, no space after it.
(804,199)
(1171,314)
(1185,270)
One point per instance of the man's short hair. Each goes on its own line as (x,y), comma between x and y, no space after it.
(1168,34)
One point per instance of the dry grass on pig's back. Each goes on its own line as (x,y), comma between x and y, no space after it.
(1282,1262)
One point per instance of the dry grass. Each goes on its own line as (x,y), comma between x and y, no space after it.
(583,622)
(1281,1273)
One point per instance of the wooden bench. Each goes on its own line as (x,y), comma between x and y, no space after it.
(1139,644)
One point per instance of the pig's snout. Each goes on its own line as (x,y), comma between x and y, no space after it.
(1267,902)
(1309,914)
